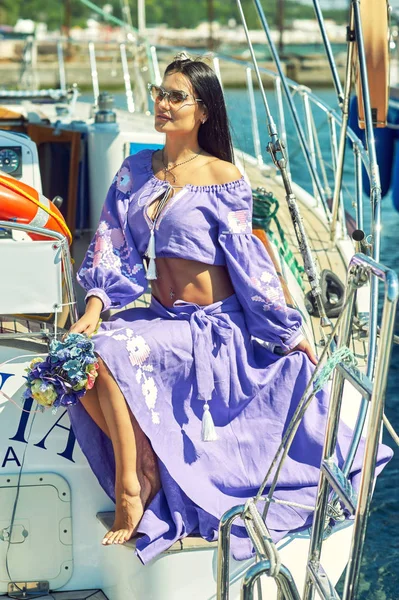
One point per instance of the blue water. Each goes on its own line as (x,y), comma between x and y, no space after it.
(380,574)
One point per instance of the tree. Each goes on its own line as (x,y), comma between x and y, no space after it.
(9,12)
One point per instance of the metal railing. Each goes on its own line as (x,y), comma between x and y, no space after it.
(360,268)
(331,476)
(67,271)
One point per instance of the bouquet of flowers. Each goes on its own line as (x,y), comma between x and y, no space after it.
(64,376)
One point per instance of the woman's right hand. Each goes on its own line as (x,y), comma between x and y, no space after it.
(88,322)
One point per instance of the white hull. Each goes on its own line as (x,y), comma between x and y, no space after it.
(78,561)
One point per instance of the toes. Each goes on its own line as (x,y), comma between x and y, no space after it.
(120,536)
(119,539)
(110,537)
(106,538)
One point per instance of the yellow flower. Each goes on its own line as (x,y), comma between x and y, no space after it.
(80,385)
(43,393)
(33,363)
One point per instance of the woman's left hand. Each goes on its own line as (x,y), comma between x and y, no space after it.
(304,346)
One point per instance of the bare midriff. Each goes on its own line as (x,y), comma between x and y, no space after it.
(191,281)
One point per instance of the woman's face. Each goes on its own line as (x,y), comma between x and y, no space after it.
(182,116)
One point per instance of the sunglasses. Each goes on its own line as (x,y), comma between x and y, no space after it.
(175,97)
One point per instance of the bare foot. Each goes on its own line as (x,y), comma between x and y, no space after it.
(129,511)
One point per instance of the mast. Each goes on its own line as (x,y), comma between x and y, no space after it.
(66,27)
(211,18)
(141,17)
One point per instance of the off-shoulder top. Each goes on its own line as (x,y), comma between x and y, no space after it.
(211,224)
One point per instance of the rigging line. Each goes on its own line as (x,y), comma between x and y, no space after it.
(107,16)
(329,52)
(390,429)
(319,154)
(294,113)
(14,510)
(278,154)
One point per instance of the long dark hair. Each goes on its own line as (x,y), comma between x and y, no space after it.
(214,134)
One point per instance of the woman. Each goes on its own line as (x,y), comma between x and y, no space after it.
(188,409)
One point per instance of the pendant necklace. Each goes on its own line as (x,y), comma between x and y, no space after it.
(166,169)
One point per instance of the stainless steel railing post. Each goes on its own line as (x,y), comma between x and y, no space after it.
(254,118)
(374,424)
(334,157)
(328,450)
(311,144)
(343,136)
(126,79)
(284,579)
(216,68)
(358,187)
(61,66)
(155,65)
(281,120)
(94,73)
(223,558)
(375,198)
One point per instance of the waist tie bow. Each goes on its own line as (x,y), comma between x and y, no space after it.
(206,327)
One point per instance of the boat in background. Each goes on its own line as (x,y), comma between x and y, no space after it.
(53,510)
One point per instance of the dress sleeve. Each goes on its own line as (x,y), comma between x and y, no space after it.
(112,269)
(253,275)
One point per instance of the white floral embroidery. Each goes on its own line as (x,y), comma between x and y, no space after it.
(266,277)
(138,350)
(270,292)
(239,221)
(102,227)
(150,392)
(119,337)
(110,332)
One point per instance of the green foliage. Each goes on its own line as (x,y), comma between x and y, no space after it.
(9,12)
(174,13)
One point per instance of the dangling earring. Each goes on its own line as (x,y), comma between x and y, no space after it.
(203,121)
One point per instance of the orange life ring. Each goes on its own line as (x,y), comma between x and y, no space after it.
(375,27)
(21,203)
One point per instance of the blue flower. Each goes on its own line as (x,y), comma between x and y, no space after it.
(61,379)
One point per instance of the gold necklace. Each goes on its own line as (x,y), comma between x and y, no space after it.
(167,170)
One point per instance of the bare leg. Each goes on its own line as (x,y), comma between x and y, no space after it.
(137,479)
(92,406)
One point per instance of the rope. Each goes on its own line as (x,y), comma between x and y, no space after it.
(287,503)
(343,354)
(60,221)
(261,538)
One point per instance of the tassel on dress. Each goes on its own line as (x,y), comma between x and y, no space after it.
(150,253)
(208,432)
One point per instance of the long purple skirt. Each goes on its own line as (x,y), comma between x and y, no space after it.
(162,359)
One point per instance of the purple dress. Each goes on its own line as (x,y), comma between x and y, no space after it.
(169,361)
